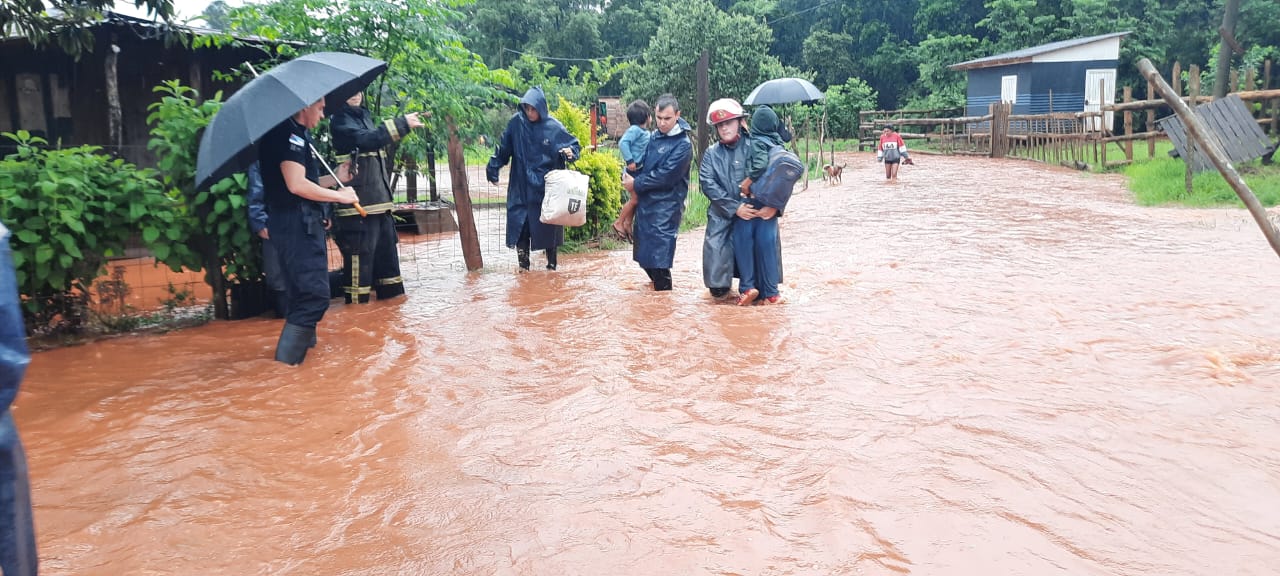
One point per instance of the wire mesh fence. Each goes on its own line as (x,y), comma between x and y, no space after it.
(429,246)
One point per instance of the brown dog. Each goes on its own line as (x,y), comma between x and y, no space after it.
(831,173)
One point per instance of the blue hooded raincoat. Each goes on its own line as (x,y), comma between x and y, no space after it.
(533,150)
(17,533)
(661,189)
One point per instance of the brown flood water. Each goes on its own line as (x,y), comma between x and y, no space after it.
(992,367)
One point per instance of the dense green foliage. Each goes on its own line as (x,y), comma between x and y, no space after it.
(218,228)
(71,209)
(604,195)
(900,49)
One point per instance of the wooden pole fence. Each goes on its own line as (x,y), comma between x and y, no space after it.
(1196,131)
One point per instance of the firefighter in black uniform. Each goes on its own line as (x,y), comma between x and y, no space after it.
(295,194)
(370,262)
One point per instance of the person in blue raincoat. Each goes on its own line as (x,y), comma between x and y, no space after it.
(534,143)
(17,529)
(660,191)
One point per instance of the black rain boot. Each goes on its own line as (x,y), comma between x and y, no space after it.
(293,344)
(523,255)
(719,293)
(551,258)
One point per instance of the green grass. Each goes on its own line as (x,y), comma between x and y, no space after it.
(478,154)
(695,212)
(1162,181)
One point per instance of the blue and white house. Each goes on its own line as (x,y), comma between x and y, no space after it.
(1066,76)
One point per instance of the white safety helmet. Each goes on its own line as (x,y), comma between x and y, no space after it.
(724,109)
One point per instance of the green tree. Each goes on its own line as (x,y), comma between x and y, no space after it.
(828,54)
(843,103)
(937,86)
(688,27)
(429,68)
(215,15)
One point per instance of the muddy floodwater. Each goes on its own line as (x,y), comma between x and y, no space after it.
(990,368)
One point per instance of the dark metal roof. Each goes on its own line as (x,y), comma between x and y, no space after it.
(1026,54)
(159,27)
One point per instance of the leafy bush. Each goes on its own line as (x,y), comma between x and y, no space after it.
(604,197)
(70,210)
(575,120)
(217,219)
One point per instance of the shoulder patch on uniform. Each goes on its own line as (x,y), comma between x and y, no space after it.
(296,141)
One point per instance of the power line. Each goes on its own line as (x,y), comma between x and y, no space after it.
(799,12)
(616,58)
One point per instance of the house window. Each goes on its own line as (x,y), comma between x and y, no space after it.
(1009,89)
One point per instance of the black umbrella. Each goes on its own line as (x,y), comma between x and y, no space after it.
(230,142)
(784,91)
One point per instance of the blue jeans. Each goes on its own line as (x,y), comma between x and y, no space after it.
(755,251)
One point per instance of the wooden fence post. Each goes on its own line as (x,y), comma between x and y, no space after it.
(462,200)
(1193,80)
(1275,103)
(1128,125)
(1197,132)
(1151,122)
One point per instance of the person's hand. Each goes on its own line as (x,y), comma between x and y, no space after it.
(413,120)
(744,189)
(629,183)
(766,212)
(263,234)
(347,195)
(746,212)
(568,153)
(631,166)
(345,173)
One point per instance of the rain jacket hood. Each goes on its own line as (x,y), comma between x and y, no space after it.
(536,98)
(765,124)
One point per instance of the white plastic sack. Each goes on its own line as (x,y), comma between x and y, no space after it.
(565,202)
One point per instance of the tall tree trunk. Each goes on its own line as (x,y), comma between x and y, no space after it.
(1227,32)
(462,201)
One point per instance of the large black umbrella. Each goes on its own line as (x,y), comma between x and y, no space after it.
(784,91)
(230,142)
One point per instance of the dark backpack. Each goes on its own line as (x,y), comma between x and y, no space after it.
(779,179)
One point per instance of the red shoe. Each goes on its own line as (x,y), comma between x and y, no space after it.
(776,298)
(748,297)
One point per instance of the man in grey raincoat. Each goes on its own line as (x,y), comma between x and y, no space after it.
(534,143)
(660,191)
(724,166)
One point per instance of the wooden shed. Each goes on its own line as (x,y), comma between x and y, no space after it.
(61,99)
(1068,76)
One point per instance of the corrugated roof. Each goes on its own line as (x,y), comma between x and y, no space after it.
(1026,54)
